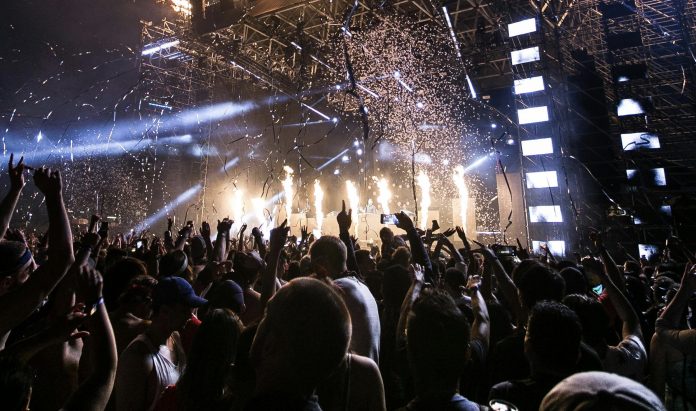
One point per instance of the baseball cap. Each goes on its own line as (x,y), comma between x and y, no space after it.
(176,290)
(595,390)
(227,294)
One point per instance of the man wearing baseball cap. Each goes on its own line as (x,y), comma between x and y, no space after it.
(155,358)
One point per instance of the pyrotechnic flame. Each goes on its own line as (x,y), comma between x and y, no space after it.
(463,193)
(182,6)
(424,184)
(384,195)
(354,201)
(287,188)
(238,207)
(318,199)
(259,205)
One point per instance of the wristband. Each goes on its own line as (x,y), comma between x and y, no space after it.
(93,309)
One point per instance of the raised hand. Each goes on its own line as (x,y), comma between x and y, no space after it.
(487,253)
(242,229)
(16,173)
(344,218)
(205,229)
(256,232)
(416,272)
(90,239)
(405,223)
(93,220)
(304,234)
(16,235)
(279,236)
(89,285)
(170,223)
(449,232)
(48,181)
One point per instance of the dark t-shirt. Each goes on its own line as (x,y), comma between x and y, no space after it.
(282,402)
(455,403)
(526,394)
(508,362)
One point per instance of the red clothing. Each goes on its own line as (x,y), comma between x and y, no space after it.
(189,332)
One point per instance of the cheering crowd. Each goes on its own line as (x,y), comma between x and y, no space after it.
(206,320)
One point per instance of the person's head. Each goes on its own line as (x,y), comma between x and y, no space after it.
(302,338)
(593,317)
(117,277)
(246,268)
(552,341)
(401,256)
(137,297)
(15,384)
(631,268)
(575,281)
(226,294)
(386,235)
(212,356)
(366,262)
(454,280)
(328,255)
(437,339)
(305,266)
(173,301)
(600,391)
(198,250)
(16,265)
(174,263)
(293,270)
(539,282)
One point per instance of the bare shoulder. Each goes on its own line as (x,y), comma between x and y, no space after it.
(365,368)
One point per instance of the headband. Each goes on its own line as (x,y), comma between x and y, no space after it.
(23,260)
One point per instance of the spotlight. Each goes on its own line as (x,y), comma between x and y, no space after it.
(359,151)
(493,125)
(510,141)
(420,105)
(336,172)
(445,162)
(356,143)
(39,137)
(397,74)
(345,159)
(334,120)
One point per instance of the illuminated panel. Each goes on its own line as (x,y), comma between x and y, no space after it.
(522,27)
(556,247)
(646,250)
(639,141)
(542,179)
(545,214)
(537,146)
(533,115)
(529,85)
(629,107)
(525,55)
(652,177)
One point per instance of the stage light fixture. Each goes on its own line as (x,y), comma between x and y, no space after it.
(529,85)
(510,141)
(537,146)
(525,55)
(522,27)
(545,214)
(533,115)
(542,179)
(652,177)
(345,159)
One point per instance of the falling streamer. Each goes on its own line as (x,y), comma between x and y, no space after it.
(424,184)
(318,199)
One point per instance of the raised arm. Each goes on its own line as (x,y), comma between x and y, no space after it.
(279,236)
(8,204)
(417,283)
(480,328)
(505,283)
(93,394)
(223,234)
(205,233)
(15,306)
(667,326)
(631,322)
(418,251)
(344,221)
(258,240)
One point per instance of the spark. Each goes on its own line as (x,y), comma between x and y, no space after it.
(424,184)
(354,201)
(318,199)
(384,195)
(287,189)
(463,191)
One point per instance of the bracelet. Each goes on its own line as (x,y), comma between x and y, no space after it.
(94,307)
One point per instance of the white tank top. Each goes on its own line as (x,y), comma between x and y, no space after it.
(166,372)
